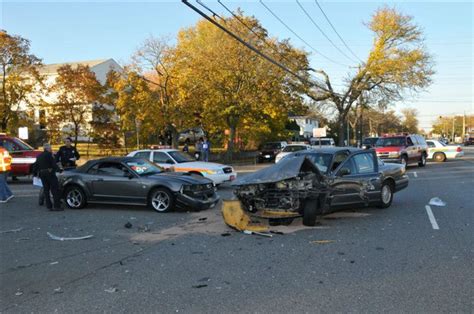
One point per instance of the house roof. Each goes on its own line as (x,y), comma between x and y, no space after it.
(53,68)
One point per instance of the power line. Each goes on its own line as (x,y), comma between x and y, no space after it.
(322,32)
(262,38)
(299,37)
(263,55)
(334,29)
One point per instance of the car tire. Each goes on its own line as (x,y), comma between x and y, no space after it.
(310,211)
(161,200)
(74,197)
(386,195)
(439,157)
(404,160)
(422,161)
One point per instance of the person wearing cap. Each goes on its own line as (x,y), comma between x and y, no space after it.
(67,155)
(46,168)
(5,166)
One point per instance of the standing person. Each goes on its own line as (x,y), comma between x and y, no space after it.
(186,147)
(198,149)
(46,168)
(206,149)
(67,155)
(5,166)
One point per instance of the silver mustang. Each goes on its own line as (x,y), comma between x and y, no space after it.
(129,180)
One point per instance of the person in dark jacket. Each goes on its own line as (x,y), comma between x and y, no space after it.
(45,167)
(67,155)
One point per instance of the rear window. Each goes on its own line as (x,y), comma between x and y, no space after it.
(391,141)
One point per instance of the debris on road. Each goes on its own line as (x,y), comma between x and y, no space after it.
(19,293)
(436,201)
(235,217)
(11,231)
(144,228)
(322,241)
(128,225)
(54,263)
(276,232)
(53,237)
(225,234)
(58,290)
(202,219)
(258,233)
(111,290)
(199,286)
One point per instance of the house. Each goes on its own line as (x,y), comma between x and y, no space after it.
(306,124)
(49,73)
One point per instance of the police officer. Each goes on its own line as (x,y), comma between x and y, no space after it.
(46,167)
(67,155)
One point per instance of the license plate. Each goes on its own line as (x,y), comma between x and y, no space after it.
(267,156)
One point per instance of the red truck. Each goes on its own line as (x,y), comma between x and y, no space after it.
(23,155)
(404,149)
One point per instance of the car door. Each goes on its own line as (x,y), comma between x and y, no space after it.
(114,182)
(411,150)
(356,181)
(163,159)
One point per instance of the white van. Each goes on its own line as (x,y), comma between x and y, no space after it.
(325,141)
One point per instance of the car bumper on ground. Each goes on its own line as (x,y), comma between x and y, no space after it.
(185,201)
(222,178)
(401,183)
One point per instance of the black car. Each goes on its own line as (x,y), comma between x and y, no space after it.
(268,151)
(320,181)
(469,141)
(369,142)
(130,180)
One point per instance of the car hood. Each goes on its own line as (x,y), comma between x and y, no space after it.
(181,177)
(200,165)
(287,168)
(388,149)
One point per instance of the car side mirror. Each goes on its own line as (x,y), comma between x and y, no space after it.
(344,172)
(128,174)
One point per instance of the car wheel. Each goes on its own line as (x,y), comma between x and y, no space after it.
(386,195)
(439,157)
(422,161)
(75,197)
(404,161)
(310,211)
(161,200)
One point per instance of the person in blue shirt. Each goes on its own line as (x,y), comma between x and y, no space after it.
(206,148)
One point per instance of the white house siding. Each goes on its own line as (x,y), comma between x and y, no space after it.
(306,125)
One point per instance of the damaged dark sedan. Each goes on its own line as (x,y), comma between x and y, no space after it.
(135,181)
(320,181)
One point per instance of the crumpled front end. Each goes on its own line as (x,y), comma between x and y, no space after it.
(281,190)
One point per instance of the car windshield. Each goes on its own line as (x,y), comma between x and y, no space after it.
(143,167)
(269,146)
(14,145)
(294,148)
(181,157)
(322,161)
(390,141)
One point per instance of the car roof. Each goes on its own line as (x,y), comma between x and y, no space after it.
(166,150)
(333,150)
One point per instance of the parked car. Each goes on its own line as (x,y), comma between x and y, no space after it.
(324,141)
(469,141)
(191,136)
(404,149)
(291,148)
(268,151)
(23,155)
(369,142)
(182,162)
(128,180)
(439,151)
(320,181)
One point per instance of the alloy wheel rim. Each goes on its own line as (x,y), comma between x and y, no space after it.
(386,194)
(160,201)
(74,198)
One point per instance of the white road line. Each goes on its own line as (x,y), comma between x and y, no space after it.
(414,173)
(434,224)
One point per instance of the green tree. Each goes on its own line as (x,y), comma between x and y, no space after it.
(19,78)
(410,120)
(398,62)
(231,87)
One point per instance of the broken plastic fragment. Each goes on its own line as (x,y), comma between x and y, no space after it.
(258,233)
(11,231)
(53,237)
(436,201)
(111,290)
(322,241)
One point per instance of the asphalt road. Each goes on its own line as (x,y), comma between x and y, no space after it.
(392,260)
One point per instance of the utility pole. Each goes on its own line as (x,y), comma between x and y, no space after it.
(464,126)
(452,134)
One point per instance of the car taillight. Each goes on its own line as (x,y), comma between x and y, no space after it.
(459,149)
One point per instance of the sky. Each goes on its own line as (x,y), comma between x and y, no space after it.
(79,30)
